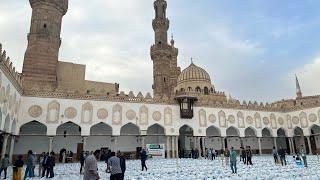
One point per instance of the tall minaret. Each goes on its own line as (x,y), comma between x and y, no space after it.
(41,57)
(298,89)
(163,55)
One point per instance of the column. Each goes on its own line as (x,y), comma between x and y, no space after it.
(11,148)
(275,142)
(203,146)
(173,147)
(309,145)
(168,147)
(116,144)
(4,145)
(177,148)
(50,144)
(222,143)
(260,149)
(241,142)
(199,146)
(84,140)
(143,142)
(291,146)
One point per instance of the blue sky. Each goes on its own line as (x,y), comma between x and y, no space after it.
(251,49)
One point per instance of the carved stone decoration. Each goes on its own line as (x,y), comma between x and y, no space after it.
(202,118)
(303,119)
(102,113)
(280,121)
(295,120)
(289,122)
(70,112)
(212,118)
(53,112)
(143,115)
(10,100)
(7,92)
(168,116)
(156,116)
(87,113)
(5,109)
(313,117)
(257,120)
(240,117)
(249,120)
(265,120)
(117,114)
(35,111)
(273,120)
(222,119)
(131,114)
(2,94)
(231,119)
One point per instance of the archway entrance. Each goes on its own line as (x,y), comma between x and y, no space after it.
(155,135)
(213,138)
(267,142)
(299,140)
(68,139)
(233,138)
(315,139)
(186,141)
(251,140)
(32,136)
(282,140)
(130,141)
(99,139)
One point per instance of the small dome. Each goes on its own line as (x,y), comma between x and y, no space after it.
(193,73)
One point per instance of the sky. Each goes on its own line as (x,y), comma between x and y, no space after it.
(252,49)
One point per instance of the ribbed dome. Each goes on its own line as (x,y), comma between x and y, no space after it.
(193,73)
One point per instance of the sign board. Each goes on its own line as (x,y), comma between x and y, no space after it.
(156,150)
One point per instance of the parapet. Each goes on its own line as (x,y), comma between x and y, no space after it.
(60,4)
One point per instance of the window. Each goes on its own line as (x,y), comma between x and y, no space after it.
(206,90)
(45,25)
(198,89)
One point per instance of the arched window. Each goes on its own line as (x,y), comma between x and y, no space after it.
(182,90)
(198,89)
(190,89)
(206,90)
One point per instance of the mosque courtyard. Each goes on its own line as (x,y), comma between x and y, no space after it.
(201,169)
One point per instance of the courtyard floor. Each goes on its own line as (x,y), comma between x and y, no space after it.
(201,169)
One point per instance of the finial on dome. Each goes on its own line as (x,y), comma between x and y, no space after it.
(172,40)
(191,60)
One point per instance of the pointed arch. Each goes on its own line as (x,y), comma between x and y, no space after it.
(130,129)
(68,128)
(266,132)
(33,128)
(14,127)
(297,131)
(250,132)
(233,131)
(156,129)
(281,132)
(213,131)
(186,130)
(315,130)
(101,129)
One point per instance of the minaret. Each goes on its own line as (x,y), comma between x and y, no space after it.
(298,89)
(163,55)
(41,57)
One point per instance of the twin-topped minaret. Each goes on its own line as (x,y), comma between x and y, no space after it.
(41,57)
(163,55)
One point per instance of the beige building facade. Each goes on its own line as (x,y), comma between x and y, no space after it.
(50,106)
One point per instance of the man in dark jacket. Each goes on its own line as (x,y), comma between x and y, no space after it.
(50,164)
(143,157)
(249,155)
(122,164)
(282,155)
(45,169)
(243,155)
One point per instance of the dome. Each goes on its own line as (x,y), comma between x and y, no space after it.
(193,73)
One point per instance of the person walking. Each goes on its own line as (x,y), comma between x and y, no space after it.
(51,162)
(4,165)
(45,169)
(303,155)
(122,164)
(143,158)
(282,155)
(114,167)
(91,167)
(41,158)
(249,155)
(233,161)
(29,163)
(17,168)
(214,154)
(244,155)
(226,156)
(81,161)
(275,155)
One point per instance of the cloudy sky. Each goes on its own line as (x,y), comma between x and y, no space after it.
(251,48)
